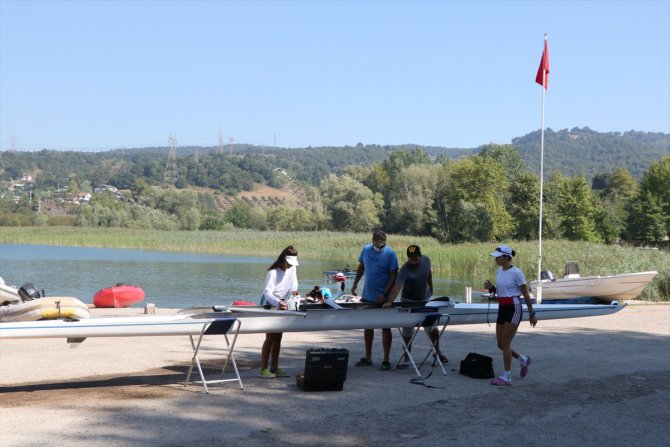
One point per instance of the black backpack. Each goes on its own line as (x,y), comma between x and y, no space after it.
(477,366)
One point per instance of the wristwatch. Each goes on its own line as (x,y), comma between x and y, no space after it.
(531,314)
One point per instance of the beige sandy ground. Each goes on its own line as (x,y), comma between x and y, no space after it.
(593,382)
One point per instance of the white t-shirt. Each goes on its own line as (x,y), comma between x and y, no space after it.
(509,282)
(279,284)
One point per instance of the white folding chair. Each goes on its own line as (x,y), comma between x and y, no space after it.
(428,323)
(222,326)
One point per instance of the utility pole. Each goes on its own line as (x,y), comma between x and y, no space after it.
(171,175)
(220,148)
(231,140)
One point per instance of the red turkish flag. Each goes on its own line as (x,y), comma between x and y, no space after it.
(542,77)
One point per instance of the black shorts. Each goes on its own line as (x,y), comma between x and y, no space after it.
(510,313)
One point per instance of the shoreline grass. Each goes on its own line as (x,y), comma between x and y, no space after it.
(468,260)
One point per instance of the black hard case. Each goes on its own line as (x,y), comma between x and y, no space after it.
(325,370)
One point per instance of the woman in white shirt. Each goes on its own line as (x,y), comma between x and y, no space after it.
(281,281)
(510,287)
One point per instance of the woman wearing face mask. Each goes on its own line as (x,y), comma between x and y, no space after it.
(510,287)
(281,281)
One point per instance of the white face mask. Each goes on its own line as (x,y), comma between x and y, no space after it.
(378,249)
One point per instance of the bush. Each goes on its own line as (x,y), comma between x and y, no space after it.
(59,221)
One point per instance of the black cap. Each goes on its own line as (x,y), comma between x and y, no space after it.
(413,250)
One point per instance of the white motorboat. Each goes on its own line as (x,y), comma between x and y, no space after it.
(314,317)
(624,286)
(8,294)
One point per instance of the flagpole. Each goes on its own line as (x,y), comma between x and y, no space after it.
(538,298)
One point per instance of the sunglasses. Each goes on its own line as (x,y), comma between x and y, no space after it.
(501,250)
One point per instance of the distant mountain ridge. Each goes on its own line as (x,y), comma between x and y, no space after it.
(240,166)
(573,151)
(584,151)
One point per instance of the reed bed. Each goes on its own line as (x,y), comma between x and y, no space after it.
(467,261)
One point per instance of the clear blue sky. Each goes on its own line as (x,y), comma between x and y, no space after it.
(94,75)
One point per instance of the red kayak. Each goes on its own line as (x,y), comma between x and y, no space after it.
(244,303)
(120,295)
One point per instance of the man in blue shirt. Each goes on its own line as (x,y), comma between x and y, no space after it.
(379,263)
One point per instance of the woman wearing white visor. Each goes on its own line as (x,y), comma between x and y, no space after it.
(281,281)
(510,285)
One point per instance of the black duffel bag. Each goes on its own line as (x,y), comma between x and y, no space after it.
(477,366)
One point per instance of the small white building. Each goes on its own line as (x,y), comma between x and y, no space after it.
(102,188)
(82,197)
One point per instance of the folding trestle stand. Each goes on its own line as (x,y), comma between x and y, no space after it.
(225,327)
(433,321)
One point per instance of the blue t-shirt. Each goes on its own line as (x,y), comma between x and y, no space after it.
(378,268)
(326,293)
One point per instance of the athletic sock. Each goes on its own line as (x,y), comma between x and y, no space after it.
(507,376)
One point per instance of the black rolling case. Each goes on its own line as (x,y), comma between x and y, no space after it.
(325,370)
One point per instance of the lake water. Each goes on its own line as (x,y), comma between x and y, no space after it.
(169,279)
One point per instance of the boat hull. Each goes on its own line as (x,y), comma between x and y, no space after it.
(625,286)
(45,309)
(256,320)
(9,294)
(118,296)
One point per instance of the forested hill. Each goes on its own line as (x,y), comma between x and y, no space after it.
(578,151)
(240,167)
(235,168)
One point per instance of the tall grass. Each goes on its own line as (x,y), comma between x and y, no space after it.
(468,261)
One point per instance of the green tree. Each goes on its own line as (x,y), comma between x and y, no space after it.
(551,220)
(377,178)
(478,187)
(524,205)
(108,200)
(616,186)
(577,208)
(257,219)
(506,156)
(72,187)
(656,182)
(411,201)
(287,218)
(401,158)
(616,190)
(238,214)
(647,220)
(350,205)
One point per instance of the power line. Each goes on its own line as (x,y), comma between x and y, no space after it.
(171,174)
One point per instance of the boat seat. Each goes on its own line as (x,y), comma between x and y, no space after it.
(571,269)
(219,326)
(547,275)
(431,321)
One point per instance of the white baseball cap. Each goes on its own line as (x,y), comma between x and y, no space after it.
(503,250)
